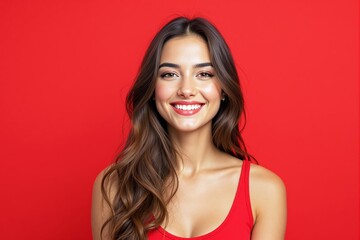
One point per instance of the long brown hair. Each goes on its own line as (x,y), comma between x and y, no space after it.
(145,168)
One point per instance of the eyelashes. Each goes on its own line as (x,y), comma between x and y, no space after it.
(173,75)
(206,75)
(168,75)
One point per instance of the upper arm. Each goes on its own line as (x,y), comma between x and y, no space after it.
(100,211)
(268,199)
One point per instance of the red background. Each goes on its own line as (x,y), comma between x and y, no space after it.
(65,68)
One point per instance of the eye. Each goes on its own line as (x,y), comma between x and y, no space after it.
(205,75)
(168,75)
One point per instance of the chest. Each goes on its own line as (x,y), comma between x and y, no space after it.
(202,205)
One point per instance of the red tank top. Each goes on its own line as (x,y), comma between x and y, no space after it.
(237,224)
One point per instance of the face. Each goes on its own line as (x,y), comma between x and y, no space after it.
(187,91)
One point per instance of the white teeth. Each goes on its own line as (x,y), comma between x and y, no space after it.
(187,107)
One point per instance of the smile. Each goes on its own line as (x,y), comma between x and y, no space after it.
(186,109)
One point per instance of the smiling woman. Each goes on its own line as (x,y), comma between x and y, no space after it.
(187,91)
(185,172)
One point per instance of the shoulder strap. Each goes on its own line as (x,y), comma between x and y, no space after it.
(246,177)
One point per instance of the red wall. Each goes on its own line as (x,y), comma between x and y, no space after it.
(65,67)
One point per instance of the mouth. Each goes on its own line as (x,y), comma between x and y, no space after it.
(187,108)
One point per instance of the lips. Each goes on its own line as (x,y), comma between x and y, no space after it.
(187,108)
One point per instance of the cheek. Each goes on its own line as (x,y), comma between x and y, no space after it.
(162,92)
(212,91)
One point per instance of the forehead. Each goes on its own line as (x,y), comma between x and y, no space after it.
(185,49)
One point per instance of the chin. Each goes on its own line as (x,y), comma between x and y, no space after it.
(190,127)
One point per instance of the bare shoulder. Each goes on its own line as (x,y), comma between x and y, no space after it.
(107,182)
(100,210)
(107,178)
(98,181)
(268,201)
(265,181)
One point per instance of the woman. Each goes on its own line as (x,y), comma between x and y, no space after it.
(184,172)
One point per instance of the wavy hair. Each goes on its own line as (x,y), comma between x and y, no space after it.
(144,171)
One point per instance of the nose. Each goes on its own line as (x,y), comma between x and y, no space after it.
(187,88)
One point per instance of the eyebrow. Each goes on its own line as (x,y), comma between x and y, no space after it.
(173,65)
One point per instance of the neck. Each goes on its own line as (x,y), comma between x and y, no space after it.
(197,150)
